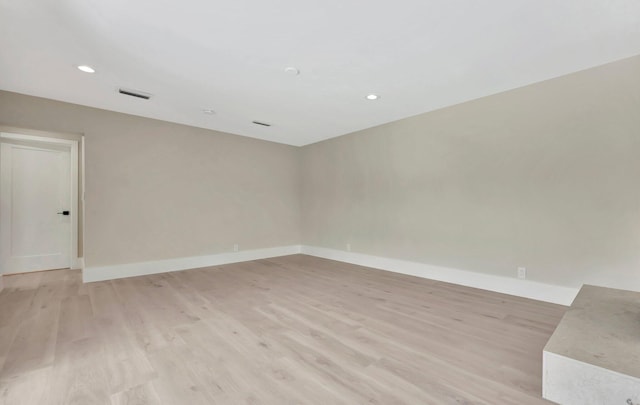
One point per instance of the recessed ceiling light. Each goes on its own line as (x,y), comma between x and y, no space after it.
(373,97)
(208,111)
(86,69)
(291,71)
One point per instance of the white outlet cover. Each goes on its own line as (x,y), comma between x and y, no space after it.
(522,272)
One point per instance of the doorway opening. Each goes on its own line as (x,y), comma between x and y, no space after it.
(40,211)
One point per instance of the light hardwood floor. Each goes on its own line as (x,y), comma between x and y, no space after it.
(290,330)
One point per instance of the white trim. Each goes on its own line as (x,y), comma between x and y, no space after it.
(81,197)
(522,288)
(35,138)
(74,202)
(72,144)
(101,273)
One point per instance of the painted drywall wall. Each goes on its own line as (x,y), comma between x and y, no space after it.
(156,190)
(545,177)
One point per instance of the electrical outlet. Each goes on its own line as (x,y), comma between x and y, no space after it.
(235,247)
(348,247)
(522,273)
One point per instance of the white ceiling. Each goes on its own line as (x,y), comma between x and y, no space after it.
(230,56)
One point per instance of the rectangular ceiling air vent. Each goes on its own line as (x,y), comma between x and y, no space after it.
(264,124)
(133,93)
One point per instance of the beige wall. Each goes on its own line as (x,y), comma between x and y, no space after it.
(156,190)
(546,177)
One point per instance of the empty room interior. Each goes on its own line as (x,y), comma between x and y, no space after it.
(335,202)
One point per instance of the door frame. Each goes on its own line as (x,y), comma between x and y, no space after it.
(72,145)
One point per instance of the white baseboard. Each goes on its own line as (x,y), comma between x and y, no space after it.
(513,286)
(101,273)
(522,288)
(77,263)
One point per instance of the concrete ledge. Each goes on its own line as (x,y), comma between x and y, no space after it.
(593,357)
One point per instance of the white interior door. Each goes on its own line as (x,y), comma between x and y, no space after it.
(35,195)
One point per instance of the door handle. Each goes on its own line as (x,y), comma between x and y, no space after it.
(63,213)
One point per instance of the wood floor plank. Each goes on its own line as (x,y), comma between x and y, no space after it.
(33,346)
(143,394)
(26,388)
(79,375)
(288,330)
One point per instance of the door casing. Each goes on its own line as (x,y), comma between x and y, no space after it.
(73,183)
